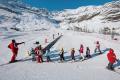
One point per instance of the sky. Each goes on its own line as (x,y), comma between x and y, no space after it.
(56,5)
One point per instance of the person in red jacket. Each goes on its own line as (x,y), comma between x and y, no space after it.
(111,58)
(81,51)
(14,48)
(39,53)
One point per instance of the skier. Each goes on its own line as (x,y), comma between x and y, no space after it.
(47,55)
(32,53)
(53,36)
(14,48)
(113,33)
(58,34)
(38,52)
(98,47)
(88,52)
(111,58)
(62,55)
(81,51)
(41,52)
(46,41)
(72,53)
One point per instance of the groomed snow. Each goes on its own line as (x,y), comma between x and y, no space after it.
(92,69)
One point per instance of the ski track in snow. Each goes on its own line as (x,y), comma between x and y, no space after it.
(91,69)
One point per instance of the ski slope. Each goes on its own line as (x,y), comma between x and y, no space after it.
(91,69)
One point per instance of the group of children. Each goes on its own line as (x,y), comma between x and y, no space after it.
(81,51)
(38,52)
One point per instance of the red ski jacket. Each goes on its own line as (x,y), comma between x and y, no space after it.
(111,56)
(13,47)
(81,49)
(38,51)
(97,45)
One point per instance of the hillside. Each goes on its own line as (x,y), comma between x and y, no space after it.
(21,17)
(86,18)
(92,18)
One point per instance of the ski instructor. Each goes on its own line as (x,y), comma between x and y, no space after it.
(14,48)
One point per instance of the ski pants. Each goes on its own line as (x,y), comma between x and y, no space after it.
(48,59)
(98,50)
(39,58)
(33,57)
(72,55)
(110,66)
(62,57)
(88,55)
(13,58)
(82,56)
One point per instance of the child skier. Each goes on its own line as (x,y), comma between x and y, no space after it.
(32,53)
(38,52)
(111,58)
(81,51)
(47,54)
(62,55)
(72,53)
(98,47)
(88,53)
(53,36)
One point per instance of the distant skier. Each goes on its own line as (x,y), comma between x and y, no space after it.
(72,53)
(62,55)
(14,48)
(98,47)
(88,53)
(46,40)
(111,58)
(47,54)
(81,51)
(58,34)
(53,36)
(113,33)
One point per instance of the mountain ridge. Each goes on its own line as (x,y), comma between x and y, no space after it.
(92,18)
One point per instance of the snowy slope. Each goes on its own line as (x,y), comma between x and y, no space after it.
(92,69)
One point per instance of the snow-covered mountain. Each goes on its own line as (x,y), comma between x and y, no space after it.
(21,17)
(92,18)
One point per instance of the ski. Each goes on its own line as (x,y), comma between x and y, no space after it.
(115,70)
